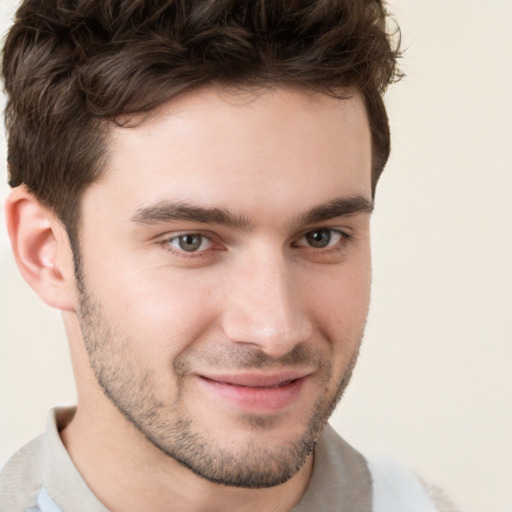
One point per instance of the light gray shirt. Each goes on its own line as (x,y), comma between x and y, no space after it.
(41,477)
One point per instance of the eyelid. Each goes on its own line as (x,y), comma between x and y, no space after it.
(171,235)
(344,236)
(166,240)
(204,241)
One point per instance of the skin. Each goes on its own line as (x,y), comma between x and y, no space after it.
(256,183)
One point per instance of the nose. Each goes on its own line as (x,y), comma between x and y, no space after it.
(265,306)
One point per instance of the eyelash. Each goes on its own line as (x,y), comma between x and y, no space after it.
(345,238)
(184,254)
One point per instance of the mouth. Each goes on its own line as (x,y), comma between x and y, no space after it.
(281,384)
(256,392)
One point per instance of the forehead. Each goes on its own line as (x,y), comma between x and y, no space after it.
(241,149)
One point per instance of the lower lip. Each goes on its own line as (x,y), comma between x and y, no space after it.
(257,399)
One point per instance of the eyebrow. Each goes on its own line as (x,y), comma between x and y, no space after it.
(338,207)
(165,211)
(168,211)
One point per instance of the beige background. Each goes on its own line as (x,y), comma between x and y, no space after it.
(434,384)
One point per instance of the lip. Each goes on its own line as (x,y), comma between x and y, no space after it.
(257,392)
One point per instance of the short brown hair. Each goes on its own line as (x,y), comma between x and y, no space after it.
(71,65)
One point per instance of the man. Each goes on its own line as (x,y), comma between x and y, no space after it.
(192,187)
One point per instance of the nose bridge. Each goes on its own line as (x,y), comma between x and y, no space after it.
(264,307)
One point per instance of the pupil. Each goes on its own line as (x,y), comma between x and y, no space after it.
(190,243)
(319,238)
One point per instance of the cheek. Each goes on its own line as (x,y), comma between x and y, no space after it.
(341,304)
(161,310)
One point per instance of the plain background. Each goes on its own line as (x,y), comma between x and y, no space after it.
(434,383)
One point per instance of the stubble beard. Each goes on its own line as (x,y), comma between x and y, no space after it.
(130,387)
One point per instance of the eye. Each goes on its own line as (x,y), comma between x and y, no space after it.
(321,238)
(190,242)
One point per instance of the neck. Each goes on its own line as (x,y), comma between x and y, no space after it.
(141,477)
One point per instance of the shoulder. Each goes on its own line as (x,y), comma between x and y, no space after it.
(344,480)
(39,464)
(396,487)
(21,478)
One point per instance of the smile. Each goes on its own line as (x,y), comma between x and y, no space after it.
(257,393)
(285,383)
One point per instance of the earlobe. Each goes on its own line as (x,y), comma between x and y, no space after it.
(41,249)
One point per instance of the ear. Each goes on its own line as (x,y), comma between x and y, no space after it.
(41,248)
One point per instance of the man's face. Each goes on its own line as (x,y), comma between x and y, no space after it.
(225,275)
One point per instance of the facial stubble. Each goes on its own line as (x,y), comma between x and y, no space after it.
(131,388)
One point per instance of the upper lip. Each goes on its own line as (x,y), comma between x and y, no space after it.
(257,379)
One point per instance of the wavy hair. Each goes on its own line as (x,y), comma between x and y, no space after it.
(71,65)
